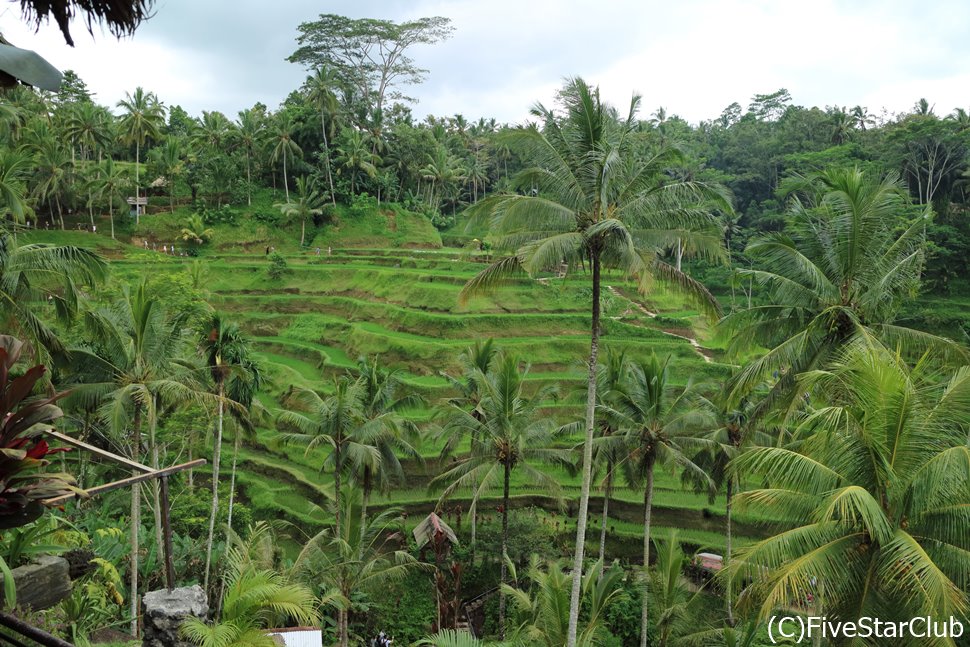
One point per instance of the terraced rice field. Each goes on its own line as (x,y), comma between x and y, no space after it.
(402,305)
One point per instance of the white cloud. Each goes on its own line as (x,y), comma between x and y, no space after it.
(693,57)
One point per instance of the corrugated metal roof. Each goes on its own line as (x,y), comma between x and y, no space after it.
(298,637)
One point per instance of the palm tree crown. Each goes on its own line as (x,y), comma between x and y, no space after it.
(35,275)
(848,264)
(876,492)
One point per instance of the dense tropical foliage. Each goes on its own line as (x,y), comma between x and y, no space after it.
(570,331)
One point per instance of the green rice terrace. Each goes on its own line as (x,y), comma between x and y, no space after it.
(401,304)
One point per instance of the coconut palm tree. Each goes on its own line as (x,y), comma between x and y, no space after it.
(608,453)
(541,612)
(476,361)
(601,201)
(280,138)
(512,434)
(477,176)
(214,132)
(169,160)
(89,126)
(841,271)
(35,277)
(224,348)
(249,132)
(10,121)
(678,614)
(320,92)
(661,427)
(329,422)
(391,436)
(445,171)
(875,494)
(53,175)
(358,558)
(108,184)
(308,204)
(15,166)
(737,432)
(843,126)
(135,364)
(242,387)
(143,119)
(862,118)
(354,155)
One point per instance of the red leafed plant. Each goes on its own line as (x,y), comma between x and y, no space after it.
(24,484)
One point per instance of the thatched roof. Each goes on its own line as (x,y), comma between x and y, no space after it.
(122,17)
(431,526)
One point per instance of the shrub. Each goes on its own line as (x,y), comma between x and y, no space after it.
(277,266)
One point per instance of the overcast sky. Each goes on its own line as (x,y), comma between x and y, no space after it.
(693,57)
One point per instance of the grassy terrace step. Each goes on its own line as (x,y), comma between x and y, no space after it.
(301,471)
(438,296)
(404,260)
(304,483)
(438,324)
(412,351)
(699,526)
(289,371)
(406,353)
(277,502)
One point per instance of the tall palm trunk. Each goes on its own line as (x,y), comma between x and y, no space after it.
(135,523)
(326,152)
(286,184)
(249,179)
(727,553)
(60,212)
(680,253)
(232,482)
(190,441)
(82,464)
(111,215)
(474,510)
(647,509)
(343,620)
(336,485)
(587,456)
(137,189)
(363,505)
(216,453)
(608,491)
(505,550)
(156,492)
(232,492)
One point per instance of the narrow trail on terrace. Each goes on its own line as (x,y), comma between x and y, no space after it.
(691,340)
